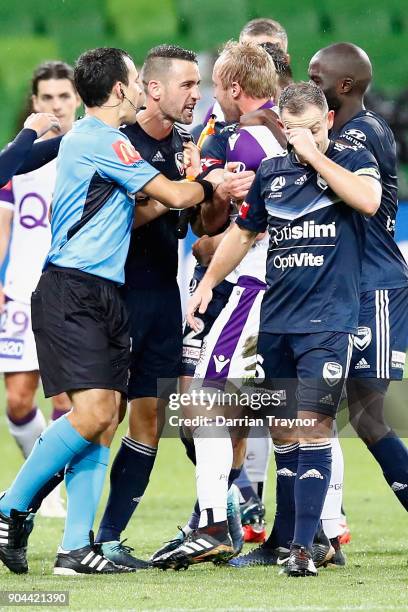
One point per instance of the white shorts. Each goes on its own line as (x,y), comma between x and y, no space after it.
(17,345)
(229,350)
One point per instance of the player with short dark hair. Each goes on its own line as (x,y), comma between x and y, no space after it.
(220,355)
(344,72)
(97,71)
(79,320)
(314,201)
(171,80)
(282,65)
(159,60)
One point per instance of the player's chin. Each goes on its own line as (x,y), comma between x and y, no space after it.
(130,118)
(187,116)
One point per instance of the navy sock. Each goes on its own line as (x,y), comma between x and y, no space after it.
(245,486)
(286,458)
(195,517)
(311,484)
(188,445)
(392,455)
(233,475)
(49,486)
(129,478)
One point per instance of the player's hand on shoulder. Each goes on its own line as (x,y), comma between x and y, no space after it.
(198,301)
(192,159)
(268,118)
(303,143)
(42,123)
(237,183)
(258,117)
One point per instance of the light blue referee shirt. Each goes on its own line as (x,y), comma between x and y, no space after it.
(98,171)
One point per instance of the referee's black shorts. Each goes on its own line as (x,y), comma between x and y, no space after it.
(81,331)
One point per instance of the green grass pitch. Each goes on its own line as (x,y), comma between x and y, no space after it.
(375,578)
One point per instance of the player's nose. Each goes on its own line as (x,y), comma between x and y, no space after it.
(195,93)
(56,106)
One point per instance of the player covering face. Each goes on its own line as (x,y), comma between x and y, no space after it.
(320,183)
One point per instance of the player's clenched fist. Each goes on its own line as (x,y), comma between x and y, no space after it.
(236,182)
(198,301)
(192,159)
(42,122)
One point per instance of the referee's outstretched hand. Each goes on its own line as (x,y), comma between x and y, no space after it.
(199,300)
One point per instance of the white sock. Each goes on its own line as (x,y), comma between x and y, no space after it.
(331,513)
(26,435)
(259,448)
(213,464)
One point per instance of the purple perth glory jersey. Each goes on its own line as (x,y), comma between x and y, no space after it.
(384,266)
(250,145)
(316,245)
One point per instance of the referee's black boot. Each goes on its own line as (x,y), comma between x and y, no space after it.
(13,541)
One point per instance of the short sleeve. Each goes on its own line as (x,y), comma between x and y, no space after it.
(122,163)
(364,163)
(7,196)
(253,215)
(214,152)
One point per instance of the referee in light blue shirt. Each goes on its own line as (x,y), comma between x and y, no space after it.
(79,321)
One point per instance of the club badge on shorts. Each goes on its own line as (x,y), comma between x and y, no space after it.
(332,373)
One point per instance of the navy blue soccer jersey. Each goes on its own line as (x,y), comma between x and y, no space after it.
(153,253)
(384,266)
(98,171)
(316,243)
(214,149)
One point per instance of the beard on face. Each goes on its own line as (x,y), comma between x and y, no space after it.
(333,101)
(178,115)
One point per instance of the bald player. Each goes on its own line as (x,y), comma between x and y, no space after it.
(344,72)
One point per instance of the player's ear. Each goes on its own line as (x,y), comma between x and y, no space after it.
(118,90)
(235,89)
(330,119)
(154,89)
(346,85)
(34,104)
